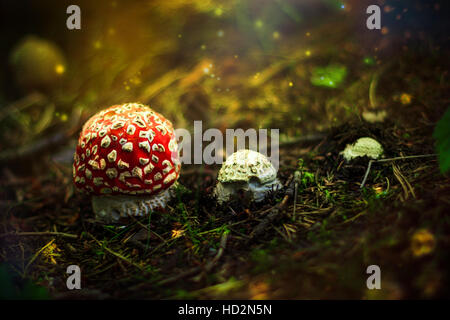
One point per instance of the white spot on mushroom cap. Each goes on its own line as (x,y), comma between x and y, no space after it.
(112,173)
(105,142)
(122,164)
(131,129)
(145,145)
(88,173)
(128,147)
(148,168)
(112,156)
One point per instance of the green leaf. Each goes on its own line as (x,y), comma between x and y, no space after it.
(442,136)
(330,76)
(14,288)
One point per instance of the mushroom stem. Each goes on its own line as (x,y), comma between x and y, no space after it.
(113,208)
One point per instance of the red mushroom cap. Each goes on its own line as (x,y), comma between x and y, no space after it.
(126,149)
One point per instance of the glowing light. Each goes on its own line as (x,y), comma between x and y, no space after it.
(50,251)
(218,12)
(64,117)
(258,24)
(342,6)
(388,8)
(307,53)
(405,98)
(291,84)
(308,34)
(369,61)
(276,35)
(422,243)
(203,47)
(220,33)
(177,233)
(330,76)
(136,81)
(259,291)
(206,70)
(60,69)
(97,44)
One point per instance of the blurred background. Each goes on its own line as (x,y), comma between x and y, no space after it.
(297,65)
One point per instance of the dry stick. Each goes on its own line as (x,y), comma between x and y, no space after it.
(391,159)
(45,233)
(274,212)
(40,145)
(297,180)
(23,103)
(33,148)
(374,83)
(35,256)
(148,229)
(222,246)
(207,268)
(180,276)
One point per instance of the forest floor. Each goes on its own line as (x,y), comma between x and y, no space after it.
(319,249)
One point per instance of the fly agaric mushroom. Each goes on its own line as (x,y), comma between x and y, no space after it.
(246,171)
(127,158)
(363,147)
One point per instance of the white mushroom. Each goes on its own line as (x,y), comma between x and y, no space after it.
(363,147)
(249,172)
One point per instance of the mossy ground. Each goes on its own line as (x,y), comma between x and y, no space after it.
(321,251)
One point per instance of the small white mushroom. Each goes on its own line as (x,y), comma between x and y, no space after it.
(363,147)
(249,172)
